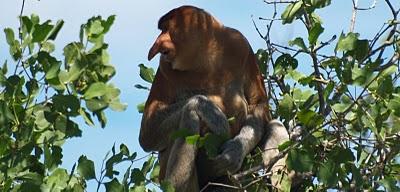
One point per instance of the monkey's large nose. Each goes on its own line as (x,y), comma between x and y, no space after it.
(153,50)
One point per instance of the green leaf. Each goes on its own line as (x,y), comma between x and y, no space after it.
(146,73)
(101,117)
(116,105)
(67,104)
(390,184)
(192,139)
(389,71)
(113,160)
(138,188)
(35,18)
(181,133)
(347,42)
(262,58)
(138,86)
(329,89)
(48,47)
(341,155)
(96,90)
(357,177)
(114,186)
(72,52)
(155,173)
(15,48)
(58,179)
(86,116)
(298,42)
(310,118)
(124,149)
(40,120)
(140,107)
(51,65)
(231,120)
(362,49)
(107,24)
(137,176)
(167,186)
(285,145)
(327,173)
(54,31)
(291,11)
(96,104)
(146,168)
(212,143)
(26,24)
(86,168)
(6,115)
(52,157)
(341,107)
(31,177)
(283,63)
(320,3)
(96,27)
(286,107)
(72,129)
(41,31)
(299,160)
(296,75)
(314,33)
(9,36)
(394,104)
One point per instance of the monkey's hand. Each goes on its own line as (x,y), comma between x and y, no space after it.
(209,113)
(231,158)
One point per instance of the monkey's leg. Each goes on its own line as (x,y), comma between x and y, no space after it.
(181,168)
(275,135)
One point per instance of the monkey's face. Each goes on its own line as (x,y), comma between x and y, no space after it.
(165,47)
(185,35)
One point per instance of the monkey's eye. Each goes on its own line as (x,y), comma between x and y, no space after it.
(164,51)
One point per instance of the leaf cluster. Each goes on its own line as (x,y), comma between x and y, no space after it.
(44,97)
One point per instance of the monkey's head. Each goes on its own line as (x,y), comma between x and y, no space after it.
(187,34)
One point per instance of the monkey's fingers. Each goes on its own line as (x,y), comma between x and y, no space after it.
(230,160)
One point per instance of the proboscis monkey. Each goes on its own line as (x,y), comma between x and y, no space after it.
(207,74)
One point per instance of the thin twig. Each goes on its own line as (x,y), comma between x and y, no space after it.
(218,184)
(353,15)
(20,34)
(280,1)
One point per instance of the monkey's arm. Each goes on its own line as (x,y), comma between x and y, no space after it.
(161,119)
(252,131)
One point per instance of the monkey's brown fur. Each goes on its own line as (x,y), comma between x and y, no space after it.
(207,73)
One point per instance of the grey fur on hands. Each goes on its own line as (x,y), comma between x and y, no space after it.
(231,157)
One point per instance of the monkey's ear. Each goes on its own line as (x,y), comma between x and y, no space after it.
(154,49)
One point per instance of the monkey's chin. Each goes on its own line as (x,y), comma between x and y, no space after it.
(175,66)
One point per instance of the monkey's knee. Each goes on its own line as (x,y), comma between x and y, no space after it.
(276,134)
(190,121)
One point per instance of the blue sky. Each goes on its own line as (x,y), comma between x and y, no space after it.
(132,35)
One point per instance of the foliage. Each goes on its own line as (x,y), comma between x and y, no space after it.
(43,99)
(346,106)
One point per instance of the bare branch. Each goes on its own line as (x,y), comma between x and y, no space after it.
(353,15)
(280,1)
(218,184)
